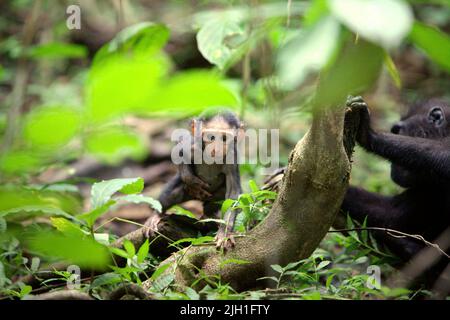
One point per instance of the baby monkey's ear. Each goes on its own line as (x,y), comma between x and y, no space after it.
(240,132)
(196,127)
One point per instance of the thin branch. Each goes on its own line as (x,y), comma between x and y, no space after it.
(397,234)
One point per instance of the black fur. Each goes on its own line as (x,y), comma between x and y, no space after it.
(418,148)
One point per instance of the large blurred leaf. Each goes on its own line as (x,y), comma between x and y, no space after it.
(20,202)
(123,84)
(435,43)
(102,192)
(51,127)
(309,51)
(218,39)
(385,22)
(316,11)
(112,145)
(57,50)
(80,250)
(354,71)
(19,161)
(34,210)
(143,38)
(191,92)
(241,13)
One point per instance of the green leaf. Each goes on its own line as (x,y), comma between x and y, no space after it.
(233,261)
(142,38)
(92,216)
(36,210)
(143,251)
(183,212)
(392,69)
(105,279)
(191,92)
(114,144)
(226,204)
(194,241)
(25,290)
(191,293)
(309,51)
(292,265)
(124,84)
(384,22)
(102,192)
(119,252)
(159,271)
(253,186)
(435,43)
(67,227)
(329,279)
(355,70)
(129,247)
(3,225)
(57,50)
(83,251)
(277,268)
(43,123)
(316,11)
(214,38)
(138,198)
(323,264)
(37,201)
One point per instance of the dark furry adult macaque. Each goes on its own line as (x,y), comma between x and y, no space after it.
(209,172)
(418,148)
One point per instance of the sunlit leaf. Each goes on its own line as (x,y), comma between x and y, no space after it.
(114,144)
(129,248)
(67,227)
(123,84)
(50,127)
(213,40)
(435,43)
(102,192)
(308,52)
(141,38)
(191,92)
(384,22)
(57,50)
(143,251)
(91,216)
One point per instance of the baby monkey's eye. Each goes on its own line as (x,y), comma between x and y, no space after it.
(211,137)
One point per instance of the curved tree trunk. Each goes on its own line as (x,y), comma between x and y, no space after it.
(310,197)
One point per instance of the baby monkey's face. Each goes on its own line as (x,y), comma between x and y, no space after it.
(218,142)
